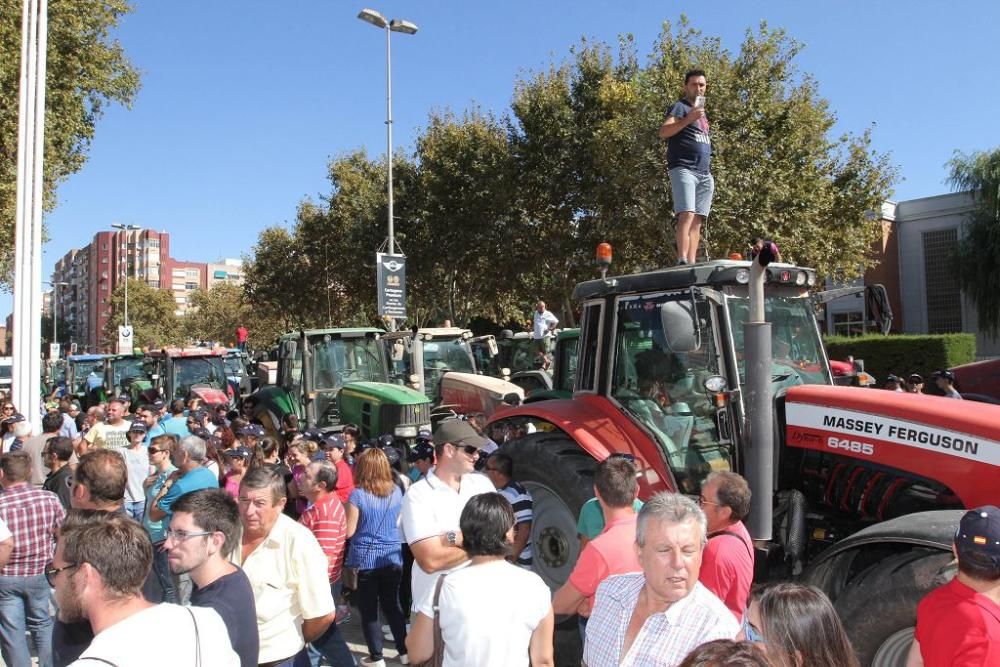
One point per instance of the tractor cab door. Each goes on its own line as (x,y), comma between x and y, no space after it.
(667,367)
(486,354)
(399,350)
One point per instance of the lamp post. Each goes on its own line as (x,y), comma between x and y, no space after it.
(55,309)
(124,248)
(390,26)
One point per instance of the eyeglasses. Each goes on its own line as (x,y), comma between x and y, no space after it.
(154,450)
(750,632)
(702,502)
(8,408)
(51,572)
(471,450)
(182,535)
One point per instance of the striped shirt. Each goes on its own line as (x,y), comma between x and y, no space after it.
(520,500)
(33,516)
(665,638)
(328,522)
(375,543)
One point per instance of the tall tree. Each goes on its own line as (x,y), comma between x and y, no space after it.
(151,313)
(278,278)
(215,314)
(978,261)
(86,69)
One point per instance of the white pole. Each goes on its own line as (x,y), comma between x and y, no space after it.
(19,375)
(35,335)
(388,131)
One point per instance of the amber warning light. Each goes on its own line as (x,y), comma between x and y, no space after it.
(604,255)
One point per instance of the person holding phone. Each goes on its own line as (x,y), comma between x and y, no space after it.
(689,158)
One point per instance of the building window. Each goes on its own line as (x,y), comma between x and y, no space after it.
(849,324)
(104,260)
(154,243)
(944,298)
(192,273)
(190,286)
(155,284)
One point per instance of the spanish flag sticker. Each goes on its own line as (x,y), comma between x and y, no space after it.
(979,539)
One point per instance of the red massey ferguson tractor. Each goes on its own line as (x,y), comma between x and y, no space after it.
(693,369)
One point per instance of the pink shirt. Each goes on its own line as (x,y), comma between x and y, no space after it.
(232,484)
(727,567)
(611,552)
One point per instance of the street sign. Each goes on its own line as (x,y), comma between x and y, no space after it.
(391,285)
(124,339)
(53,351)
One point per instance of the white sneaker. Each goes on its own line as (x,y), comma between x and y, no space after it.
(368,662)
(404,659)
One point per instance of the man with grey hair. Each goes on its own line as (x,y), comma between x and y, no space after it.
(658,616)
(188,456)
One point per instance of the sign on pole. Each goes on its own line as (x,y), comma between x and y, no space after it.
(53,351)
(391,285)
(124,339)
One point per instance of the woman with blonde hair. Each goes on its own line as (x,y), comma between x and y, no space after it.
(300,454)
(372,527)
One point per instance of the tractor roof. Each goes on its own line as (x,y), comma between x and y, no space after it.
(189,352)
(707,274)
(87,357)
(342,332)
(444,332)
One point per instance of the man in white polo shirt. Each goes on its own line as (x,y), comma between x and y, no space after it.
(433,505)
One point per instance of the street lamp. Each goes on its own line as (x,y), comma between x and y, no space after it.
(395,25)
(126,228)
(55,309)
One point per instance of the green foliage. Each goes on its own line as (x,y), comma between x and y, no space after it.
(85,70)
(151,312)
(216,313)
(902,355)
(495,212)
(978,261)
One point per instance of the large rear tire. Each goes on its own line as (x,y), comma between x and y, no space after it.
(879,605)
(560,477)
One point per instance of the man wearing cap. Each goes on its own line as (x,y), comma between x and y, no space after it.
(250,435)
(945,381)
(110,433)
(334,446)
(136,457)
(915,383)
(958,624)
(892,383)
(432,506)
(421,460)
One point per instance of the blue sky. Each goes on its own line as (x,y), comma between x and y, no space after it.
(244,103)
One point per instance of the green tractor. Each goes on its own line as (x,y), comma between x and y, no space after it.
(329,377)
(84,375)
(125,374)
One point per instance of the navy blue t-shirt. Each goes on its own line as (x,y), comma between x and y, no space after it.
(690,148)
(232,597)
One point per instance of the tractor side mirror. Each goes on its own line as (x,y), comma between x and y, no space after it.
(680,326)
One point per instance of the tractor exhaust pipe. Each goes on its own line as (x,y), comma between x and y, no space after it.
(760,454)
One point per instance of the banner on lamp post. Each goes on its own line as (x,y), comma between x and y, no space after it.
(391,285)
(125,340)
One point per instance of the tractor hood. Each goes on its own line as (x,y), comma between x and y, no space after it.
(468,392)
(211,395)
(386,393)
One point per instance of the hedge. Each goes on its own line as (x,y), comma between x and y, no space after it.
(902,355)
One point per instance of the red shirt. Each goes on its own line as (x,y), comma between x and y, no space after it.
(727,567)
(345,481)
(958,627)
(611,552)
(33,516)
(241,335)
(328,522)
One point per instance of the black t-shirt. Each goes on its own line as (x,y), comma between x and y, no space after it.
(232,597)
(690,148)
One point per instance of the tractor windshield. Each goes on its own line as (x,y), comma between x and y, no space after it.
(339,360)
(84,369)
(234,365)
(796,349)
(660,382)
(190,372)
(442,355)
(124,369)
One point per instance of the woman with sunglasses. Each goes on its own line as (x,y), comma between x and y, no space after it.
(797,626)
(6,424)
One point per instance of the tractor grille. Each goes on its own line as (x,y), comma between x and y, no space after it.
(391,416)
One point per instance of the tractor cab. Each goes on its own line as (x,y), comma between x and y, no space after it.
(84,377)
(186,372)
(126,374)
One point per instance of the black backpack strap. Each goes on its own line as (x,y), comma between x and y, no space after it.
(737,536)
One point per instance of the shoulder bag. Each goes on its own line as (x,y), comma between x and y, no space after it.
(437,656)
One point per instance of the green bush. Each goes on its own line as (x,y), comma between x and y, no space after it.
(902,355)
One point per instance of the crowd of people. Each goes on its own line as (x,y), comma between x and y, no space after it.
(253,548)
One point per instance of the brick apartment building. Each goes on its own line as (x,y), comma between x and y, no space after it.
(93,272)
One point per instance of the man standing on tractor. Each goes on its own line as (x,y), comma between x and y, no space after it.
(543,327)
(689,160)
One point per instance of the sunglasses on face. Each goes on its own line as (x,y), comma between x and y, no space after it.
(622,455)
(750,632)
(470,450)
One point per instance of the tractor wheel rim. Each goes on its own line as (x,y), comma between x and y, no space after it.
(554,542)
(894,650)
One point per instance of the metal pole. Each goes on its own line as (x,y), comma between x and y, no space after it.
(388,131)
(125,253)
(55,313)
(21,253)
